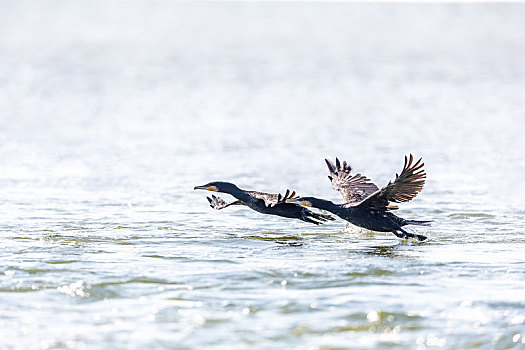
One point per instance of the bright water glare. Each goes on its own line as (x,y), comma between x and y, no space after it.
(112,111)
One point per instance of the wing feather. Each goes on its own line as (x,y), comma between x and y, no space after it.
(218,203)
(270,199)
(403,189)
(353,188)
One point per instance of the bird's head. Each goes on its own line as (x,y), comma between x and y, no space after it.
(218,186)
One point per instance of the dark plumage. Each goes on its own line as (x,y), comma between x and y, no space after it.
(266,203)
(368,206)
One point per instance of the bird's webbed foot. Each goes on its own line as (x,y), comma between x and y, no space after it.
(400,235)
(404,234)
(421,238)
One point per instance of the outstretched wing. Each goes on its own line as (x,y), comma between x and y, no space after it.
(271,200)
(287,195)
(353,188)
(405,187)
(218,203)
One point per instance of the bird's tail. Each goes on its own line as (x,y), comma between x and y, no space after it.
(418,222)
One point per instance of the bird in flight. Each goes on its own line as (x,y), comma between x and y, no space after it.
(367,206)
(266,203)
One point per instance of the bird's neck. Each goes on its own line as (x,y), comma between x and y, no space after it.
(239,194)
(326,205)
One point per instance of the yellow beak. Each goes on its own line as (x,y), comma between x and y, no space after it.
(208,188)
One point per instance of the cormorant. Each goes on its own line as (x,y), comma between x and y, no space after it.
(368,206)
(266,203)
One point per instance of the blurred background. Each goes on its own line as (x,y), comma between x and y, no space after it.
(189,92)
(112,111)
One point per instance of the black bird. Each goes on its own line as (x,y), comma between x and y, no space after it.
(368,206)
(266,203)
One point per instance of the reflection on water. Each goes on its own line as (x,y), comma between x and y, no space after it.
(388,251)
(107,126)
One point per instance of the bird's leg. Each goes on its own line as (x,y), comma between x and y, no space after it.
(304,217)
(320,217)
(400,235)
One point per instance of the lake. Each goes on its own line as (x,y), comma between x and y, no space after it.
(112,111)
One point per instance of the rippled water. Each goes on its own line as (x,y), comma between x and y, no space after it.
(112,111)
